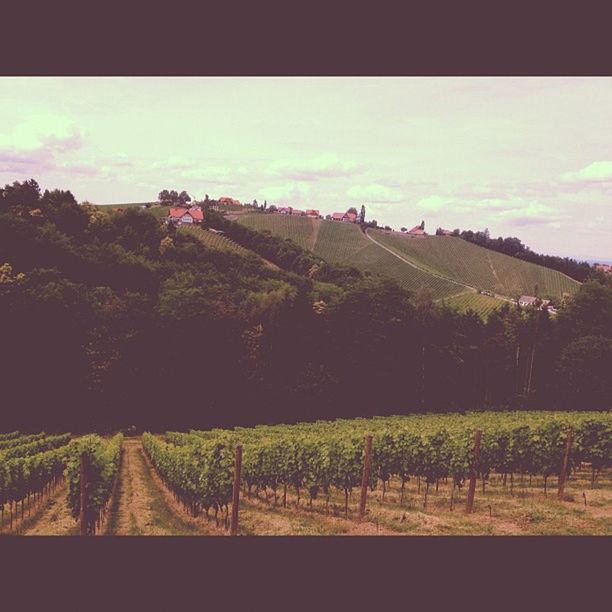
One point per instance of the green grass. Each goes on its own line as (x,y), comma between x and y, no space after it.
(345,244)
(478,267)
(220,242)
(484,305)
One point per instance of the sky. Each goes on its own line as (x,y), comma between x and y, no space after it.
(529,157)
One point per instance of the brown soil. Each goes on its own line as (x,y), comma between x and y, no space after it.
(55,518)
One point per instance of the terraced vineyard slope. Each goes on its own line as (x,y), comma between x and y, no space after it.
(345,243)
(220,242)
(478,267)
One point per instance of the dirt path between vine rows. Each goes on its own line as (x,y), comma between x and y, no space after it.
(54,518)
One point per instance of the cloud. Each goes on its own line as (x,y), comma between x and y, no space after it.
(40,131)
(286,193)
(599,172)
(35,146)
(531,213)
(432,203)
(374,192)
(326,165)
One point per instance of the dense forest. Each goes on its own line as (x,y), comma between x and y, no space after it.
(578,270)
(111,319)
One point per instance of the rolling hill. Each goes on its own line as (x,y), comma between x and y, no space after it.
(443,266)
(220,242)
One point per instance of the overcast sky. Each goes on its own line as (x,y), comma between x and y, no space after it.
(528,157)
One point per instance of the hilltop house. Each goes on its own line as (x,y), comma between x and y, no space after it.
(185,215)
(347,216)
(418,231)
(225,201)
(285,210)
(527,300)
(312,213)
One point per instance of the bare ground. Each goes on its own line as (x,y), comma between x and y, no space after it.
(141,507)
(54,517)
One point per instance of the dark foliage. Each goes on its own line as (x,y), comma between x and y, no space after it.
(113,320)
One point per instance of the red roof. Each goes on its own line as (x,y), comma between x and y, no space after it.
(416,230)
(194,211)
(177,213)
(338,216)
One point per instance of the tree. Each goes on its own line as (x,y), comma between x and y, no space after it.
(183,198)
(403,229)
(362,214)
(352,209)
(26,194)
(164,197)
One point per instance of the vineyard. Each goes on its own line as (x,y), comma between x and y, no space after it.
(345,244)
(515,472)
(33,466)
(443,266)
(478,267)
(484,305)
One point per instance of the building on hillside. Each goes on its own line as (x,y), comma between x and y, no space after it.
(299,213)
(418,231)
(607,268)
(183,216)
(444,232)
(285,210)
(347,216)
(527,300)
(312,213)
(225,201)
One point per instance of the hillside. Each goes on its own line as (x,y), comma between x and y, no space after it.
(345,243)
(477,266)
(220,242)
(445,266)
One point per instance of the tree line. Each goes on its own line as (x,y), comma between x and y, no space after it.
(578,270)
(111,320)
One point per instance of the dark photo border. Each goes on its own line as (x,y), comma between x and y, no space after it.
(296,573)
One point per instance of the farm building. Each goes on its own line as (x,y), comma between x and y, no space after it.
(347,216)
(299,213)
(312,213)
(285,210)
(444,232)
(224,200)
(418,231)
(527,300)
(182,215)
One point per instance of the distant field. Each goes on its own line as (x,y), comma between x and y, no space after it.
(478,267)
(484,305)
(220,242)
(345,244)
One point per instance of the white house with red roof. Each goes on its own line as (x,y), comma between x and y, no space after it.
(183,215)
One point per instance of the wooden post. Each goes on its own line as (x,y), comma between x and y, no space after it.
(563,474)
(83,502)
(469,507)
(236,493)
(367,466)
